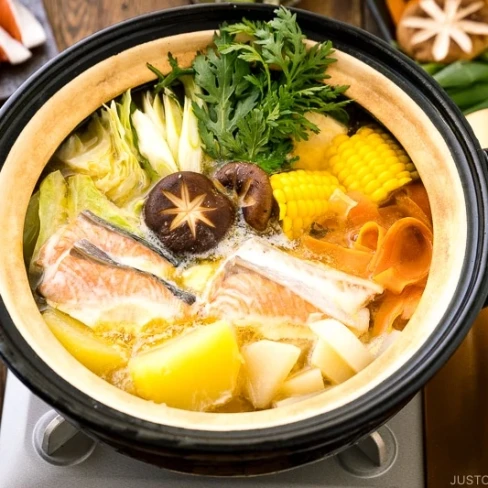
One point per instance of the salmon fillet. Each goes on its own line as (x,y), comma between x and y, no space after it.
(242,293)
(98,293)
(119,246)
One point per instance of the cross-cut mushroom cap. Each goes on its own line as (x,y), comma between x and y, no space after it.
(429,33)
(187,213)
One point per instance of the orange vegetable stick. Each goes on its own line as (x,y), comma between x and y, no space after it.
(397,7)
(8,19)
(363,212)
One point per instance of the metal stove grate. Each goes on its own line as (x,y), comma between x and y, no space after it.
(38,449)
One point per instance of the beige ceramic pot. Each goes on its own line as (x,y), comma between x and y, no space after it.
(51,104)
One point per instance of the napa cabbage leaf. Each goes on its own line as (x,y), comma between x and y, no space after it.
(106,151)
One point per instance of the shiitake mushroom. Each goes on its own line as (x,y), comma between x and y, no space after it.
(253,190)
(187,213)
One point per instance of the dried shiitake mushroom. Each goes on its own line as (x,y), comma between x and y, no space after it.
(253,189)
(187,213)
(444,30)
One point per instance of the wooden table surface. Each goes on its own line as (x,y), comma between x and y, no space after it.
(456,400)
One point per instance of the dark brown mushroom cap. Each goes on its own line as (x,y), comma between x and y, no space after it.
(254,190)
(187,213)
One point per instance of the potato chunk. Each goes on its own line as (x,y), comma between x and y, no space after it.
(98,355)
(194,371)
(267,364)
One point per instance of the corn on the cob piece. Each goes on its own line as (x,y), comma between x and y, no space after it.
(370,162)
(302,197)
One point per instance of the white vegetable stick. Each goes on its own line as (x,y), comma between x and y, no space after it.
(190,149)
(15,52)
(295,399)
(174,116)
(305,382)
(31,30)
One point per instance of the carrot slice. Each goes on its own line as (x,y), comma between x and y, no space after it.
(351,261)
(417,192)
(9,20)
(405,255)
(363,212)
(396,306)
(370,237)
(412,209)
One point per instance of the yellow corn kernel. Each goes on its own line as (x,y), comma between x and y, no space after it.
(287,225)
(279,195)
(283,209)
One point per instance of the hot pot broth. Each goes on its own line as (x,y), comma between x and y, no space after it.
(212,253)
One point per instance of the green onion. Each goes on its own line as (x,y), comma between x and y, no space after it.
(432,68)
(462,74)
(475,108)
(469,96)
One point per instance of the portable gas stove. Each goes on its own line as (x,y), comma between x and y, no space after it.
(39,449)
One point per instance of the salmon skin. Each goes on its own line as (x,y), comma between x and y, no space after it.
(158,249)
(89,286)
(121,246)
(89,250)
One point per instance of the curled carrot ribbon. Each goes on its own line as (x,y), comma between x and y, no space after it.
(404,256)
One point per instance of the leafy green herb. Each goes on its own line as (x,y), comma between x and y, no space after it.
(175,73)
(258,91)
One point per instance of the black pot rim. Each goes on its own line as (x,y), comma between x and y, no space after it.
(373,407)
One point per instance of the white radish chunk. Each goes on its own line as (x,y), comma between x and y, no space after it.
(305,382)
(293,400)
(10,49)
(31,30)
(338,353)
(333,367)
(267,364)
